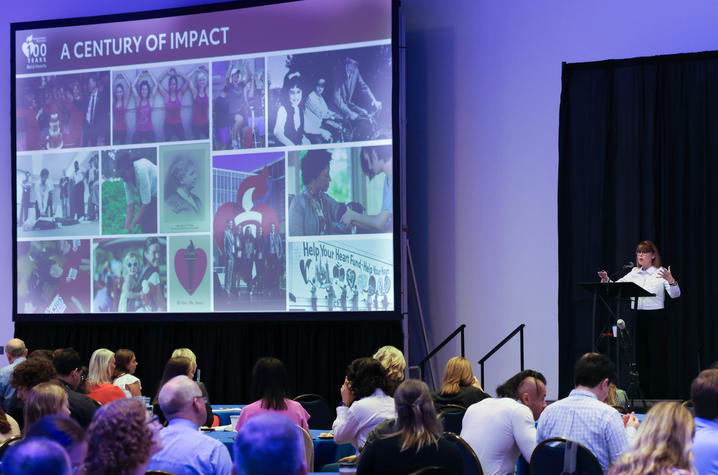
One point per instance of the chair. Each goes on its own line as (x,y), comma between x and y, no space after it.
(318,409)
(567,457)
(159,472)
(8,442)
(472,466)
(431,471)
(452,416)
(308,449)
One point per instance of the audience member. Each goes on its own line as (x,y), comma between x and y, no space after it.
(584,418)
(180,365)
(662,444)
(102,366)
(392,359)
(43,400)
(704,394)
(66,432)
(459,385)
(124,375)
(269,387)
(27,374)
(500,429)
(416,440)
(186,449)
(68,366)
(16,352)
(187,353)
(36,456)
(364,402)
(121,439)
(269,444)
(8,426)
(41,353)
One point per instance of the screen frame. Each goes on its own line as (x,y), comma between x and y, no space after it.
(274,316)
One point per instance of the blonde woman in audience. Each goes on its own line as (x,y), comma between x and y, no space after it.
(45,399)
(124,375)
(392,359)
(121,439)
(662,444)
(102,367)
(459,385)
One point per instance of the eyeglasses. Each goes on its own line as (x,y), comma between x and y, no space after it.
(644,252)
(155,419)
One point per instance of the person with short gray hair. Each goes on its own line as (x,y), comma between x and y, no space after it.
(16,352)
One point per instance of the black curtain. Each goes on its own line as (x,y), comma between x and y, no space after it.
(316,353)
(638,159)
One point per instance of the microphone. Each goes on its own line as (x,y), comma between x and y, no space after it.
(630,265)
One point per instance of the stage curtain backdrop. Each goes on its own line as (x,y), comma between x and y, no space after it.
(315,353)
(638,159)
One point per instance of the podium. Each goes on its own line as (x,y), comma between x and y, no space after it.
(609,291)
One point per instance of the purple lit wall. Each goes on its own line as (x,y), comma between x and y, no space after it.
(483,90)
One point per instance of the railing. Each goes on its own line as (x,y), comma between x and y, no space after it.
(520,330)
(441,345)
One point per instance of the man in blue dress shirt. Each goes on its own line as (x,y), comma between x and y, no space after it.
(186,450)
(704,394)
(16,353)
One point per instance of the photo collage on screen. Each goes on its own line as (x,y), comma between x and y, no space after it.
(249,184)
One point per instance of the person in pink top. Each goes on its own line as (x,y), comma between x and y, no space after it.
(200,102)
(144,93)
(269,384)
(173,103)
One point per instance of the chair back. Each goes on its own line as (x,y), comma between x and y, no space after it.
(452,416)
(472,466)
(561,456)
(8,442)
(318,409)
(432,471)
(308,449)
(159,472)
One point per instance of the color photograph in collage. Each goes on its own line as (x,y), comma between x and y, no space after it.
(238,104)
(249,232)
(184,188)
(340,191)
(165,104)
(340,274)
(189,275)
(57,194)
(330,96)
(129,191)
(53,276)
(63,111)
(130,275)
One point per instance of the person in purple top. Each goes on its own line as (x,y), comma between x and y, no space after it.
(704,394)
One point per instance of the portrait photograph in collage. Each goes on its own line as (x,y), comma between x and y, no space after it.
(184,188)
(129,191)
(164,104)
(249,232)
(340,191)
(53,276)
(238,104)
(57,194)
(330,96)
(63,111)
(130,275)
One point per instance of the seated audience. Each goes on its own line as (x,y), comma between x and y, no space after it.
(43,400)
(102,366)
(8,426)
(392,359)
(41,353)
(500,429)
(66,432)
(364,402)
(415,441)
(36,456)
(704,394)
(68,366)
(187,353)
(121,439)
(459,385)
(124,375)
(584,418)
(269,386)
(662,444)
(180,365)
(186,449)
(27,374)
(269,444)
(16,352)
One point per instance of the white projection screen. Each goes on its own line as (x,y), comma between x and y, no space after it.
(207,163)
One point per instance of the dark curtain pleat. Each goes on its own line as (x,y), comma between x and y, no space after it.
(638,147)
(316,353)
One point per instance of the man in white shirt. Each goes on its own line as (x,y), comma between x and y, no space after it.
(500,429)
(140,178)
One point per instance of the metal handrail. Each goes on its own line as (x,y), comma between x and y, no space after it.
(519,329)
(441,345)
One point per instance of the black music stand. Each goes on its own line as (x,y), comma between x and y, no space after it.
(608,291)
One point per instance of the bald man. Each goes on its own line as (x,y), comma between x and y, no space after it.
(500,429)
(16,353)
(186,450)
(269,444)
